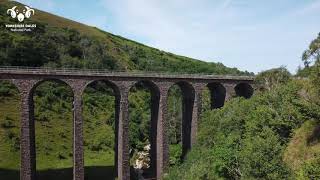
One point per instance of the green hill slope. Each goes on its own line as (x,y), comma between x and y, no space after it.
(302,153)
(60,42)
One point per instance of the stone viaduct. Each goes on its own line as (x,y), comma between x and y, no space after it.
(26,80)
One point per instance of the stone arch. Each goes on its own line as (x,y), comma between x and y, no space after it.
(67,132)
(217,94)
(244,90)
(38,83)
(150,85)
(116,94)
(109,83)
(188,97)
(155,97)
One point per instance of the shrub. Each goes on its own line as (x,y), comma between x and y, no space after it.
(7,122)
(175,154)
(310,169)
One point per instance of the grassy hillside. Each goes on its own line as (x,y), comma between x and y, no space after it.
(60,42)
(303,152)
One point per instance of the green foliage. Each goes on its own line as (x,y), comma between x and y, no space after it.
(302,153)
(175,114)
(9,133)
(310,169)
(315,76)
(7,89)
(246,138)
(8,122)
(304,71)
(273,77)
(103,141)
(99,125)
(175,154)
(312,56)
(261,156)
(53,125)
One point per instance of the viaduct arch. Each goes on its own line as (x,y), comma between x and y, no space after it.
(222,88)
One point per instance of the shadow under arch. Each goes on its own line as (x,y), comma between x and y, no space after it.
(10,130)
(107,88)
(154,108)
(188,96)
(51,126)
(217,95)
(244,90)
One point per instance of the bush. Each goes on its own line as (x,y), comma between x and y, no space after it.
(272,78)
(175,154)
(7,89)
(103,140)
(8,122)
(310,169)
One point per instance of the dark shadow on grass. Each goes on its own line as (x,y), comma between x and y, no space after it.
(91,173)
(147,174)
(9,174)
(100,173)
(55,174)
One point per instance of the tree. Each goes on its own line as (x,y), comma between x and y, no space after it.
(312,55)
(272,78)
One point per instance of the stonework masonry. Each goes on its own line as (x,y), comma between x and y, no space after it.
(192,86)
